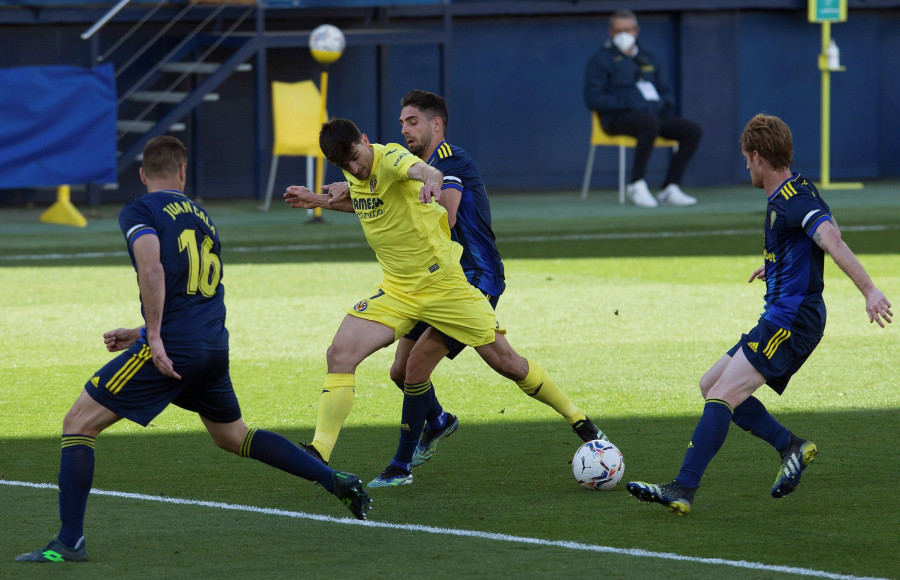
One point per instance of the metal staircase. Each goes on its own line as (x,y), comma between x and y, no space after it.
(159,84)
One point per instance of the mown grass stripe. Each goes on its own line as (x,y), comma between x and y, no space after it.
(634,552)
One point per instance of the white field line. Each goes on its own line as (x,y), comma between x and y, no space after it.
(637,553)
(522,239)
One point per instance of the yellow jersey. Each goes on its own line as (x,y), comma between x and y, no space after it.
(411,239)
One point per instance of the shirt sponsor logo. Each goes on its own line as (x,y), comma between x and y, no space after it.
(368,207)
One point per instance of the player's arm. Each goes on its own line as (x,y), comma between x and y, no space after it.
(431,179)
(152,284)
(339,196)
(828,237)
(450,198)
(121,338)
(300,197)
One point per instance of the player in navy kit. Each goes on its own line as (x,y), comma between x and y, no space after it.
(179,356)
(799,229)
(423,122)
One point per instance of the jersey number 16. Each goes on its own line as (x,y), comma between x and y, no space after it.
(204,267)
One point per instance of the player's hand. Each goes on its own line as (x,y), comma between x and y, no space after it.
(337,192)
(300,197)
(758,273)
(878,307)
(160,360)
(429,191)
(121,338)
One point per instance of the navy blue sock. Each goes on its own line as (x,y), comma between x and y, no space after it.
(76,474)
(417,400)
(436,416)
(708,437)
(753,417)
(275,450)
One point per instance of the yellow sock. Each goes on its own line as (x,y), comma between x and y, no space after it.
(335,403)
(538,385)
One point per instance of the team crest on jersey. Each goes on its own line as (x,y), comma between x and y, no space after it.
(373,183)
(772,217)
(361,305)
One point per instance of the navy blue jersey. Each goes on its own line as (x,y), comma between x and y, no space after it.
(794,263)
(194,312)
(480,259)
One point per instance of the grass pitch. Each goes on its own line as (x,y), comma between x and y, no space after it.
(625,307)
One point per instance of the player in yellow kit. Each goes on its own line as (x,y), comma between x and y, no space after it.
(391,191)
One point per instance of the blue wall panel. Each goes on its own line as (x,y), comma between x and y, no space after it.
(515,93)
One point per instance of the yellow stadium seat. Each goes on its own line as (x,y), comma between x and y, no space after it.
(295,118)
(601,138)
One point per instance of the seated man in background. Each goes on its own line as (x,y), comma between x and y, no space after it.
(625,86)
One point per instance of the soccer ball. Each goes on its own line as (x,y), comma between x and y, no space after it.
(326,43)
(598,465)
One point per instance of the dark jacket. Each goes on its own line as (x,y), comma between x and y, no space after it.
(610,77)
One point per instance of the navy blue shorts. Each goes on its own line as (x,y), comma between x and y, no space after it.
(454,346)
(775,352)
(131,387)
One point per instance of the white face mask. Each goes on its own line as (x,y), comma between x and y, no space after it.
(624,41)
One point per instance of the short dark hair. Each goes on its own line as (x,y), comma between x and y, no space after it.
(337,139)
(163,157)
(771,138)
(623,14)
(429,103)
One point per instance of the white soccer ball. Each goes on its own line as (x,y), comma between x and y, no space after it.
(327,43)
(598,465)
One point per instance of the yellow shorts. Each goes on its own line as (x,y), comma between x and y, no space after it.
(451,305)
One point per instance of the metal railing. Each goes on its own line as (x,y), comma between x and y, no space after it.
(167,94)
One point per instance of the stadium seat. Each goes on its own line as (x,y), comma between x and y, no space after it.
(599,137)
(295,117)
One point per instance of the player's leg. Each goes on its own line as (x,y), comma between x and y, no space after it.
(535,382)
(751,415)
(778,354)
(419,400)
(84,421)
(275,450)
(738,380)
(429,354)
(355,340)
(430,349)
(401,355)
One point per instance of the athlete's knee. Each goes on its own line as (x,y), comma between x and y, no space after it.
(340,359)
(398,374)
(706,383)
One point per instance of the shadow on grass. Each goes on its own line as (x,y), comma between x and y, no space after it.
(514,478)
